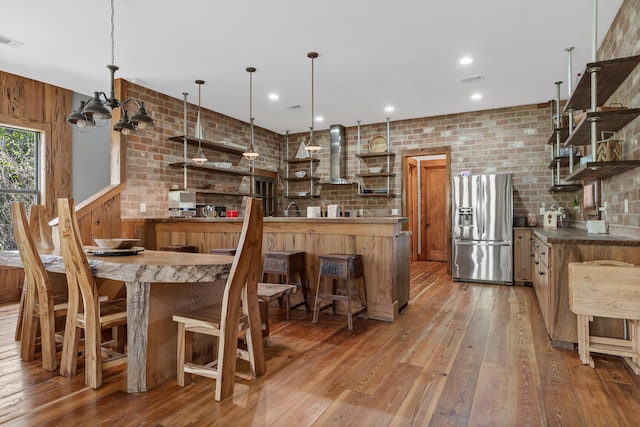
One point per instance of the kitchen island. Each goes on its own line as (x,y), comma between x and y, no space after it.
(382,242)
(553,250)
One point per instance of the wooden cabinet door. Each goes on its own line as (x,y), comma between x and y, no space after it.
(522,255)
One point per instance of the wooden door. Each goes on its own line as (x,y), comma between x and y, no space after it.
(411,185)
(433,183)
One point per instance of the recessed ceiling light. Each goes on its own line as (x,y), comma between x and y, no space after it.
(466,60)
(274,96)
(389,109)
(319,118)
(476,96)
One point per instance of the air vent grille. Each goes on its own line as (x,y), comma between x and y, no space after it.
(470,79)
(293,107)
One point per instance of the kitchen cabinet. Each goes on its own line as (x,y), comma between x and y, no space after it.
(380,157)
(553,251)
(522,255)
(209,168)
(609,76)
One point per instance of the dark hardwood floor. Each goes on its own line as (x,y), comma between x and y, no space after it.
(460,354)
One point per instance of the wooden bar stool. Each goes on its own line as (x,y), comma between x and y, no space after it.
(288,264)
(269,292)
(223,251)
(179,248)
(346,268)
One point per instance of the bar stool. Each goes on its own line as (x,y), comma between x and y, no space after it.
(179,248)
(223,251)
(341,267)
(288,264)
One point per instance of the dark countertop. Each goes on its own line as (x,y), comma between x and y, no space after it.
(283,219)
(581,237)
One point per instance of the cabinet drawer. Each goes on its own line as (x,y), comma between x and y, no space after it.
(541,251)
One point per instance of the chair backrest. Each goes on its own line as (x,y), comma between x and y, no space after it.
(605,288)
(39,226)
(37,279)
(79,277)
(247,263)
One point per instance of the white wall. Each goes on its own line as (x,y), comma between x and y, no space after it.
(90,159)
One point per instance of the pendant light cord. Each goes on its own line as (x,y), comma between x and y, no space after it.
(113,42)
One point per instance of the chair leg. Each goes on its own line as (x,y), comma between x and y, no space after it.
(227,344)
(362,292)
(29,329)
(583,339)
(92,355)
(69,359)
(185,354)
(18,333)
(48,336)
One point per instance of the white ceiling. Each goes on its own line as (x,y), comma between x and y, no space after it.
(373,53)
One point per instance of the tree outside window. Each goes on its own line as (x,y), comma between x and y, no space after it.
(19,149)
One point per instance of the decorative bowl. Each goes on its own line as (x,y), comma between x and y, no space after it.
(300,174)
(116,243)
(376,169)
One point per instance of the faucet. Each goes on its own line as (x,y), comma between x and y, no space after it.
(289,207)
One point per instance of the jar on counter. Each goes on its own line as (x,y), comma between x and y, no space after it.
(532,219)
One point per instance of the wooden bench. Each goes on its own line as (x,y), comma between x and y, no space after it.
(606,289)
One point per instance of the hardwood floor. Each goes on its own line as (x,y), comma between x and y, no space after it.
(460,354)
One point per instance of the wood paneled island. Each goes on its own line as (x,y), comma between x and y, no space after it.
(383,243)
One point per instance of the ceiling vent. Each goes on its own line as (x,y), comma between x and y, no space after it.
(9,42)
(293,107)
(472,78)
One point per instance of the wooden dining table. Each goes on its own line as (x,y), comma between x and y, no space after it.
(158,284)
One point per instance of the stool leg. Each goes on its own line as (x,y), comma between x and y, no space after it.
(348,303)
(362,291)
(317,300)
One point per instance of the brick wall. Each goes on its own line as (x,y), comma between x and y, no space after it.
(510,139)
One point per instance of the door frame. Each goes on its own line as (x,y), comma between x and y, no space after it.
(430,151)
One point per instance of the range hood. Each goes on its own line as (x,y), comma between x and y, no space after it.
(338,155)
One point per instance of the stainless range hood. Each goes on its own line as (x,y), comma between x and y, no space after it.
(338,155)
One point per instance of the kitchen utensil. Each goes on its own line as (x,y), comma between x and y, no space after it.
(116,243)
(378,144)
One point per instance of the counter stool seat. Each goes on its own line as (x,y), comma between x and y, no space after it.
(223,251)
(343,267)
(269,292)
(179,248)
(288,264)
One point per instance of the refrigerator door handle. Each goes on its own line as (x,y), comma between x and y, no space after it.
(480,204)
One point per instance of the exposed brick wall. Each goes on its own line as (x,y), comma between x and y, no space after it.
(510,139)
(623,39)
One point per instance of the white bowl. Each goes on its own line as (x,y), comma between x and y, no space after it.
(376,169)
(222,165)
(116,243)
(300,174)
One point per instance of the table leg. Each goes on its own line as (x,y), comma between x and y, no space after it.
(137,332)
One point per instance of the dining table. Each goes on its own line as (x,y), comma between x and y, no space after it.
(158,284)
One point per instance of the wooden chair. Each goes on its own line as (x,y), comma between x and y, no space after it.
(38,301)
(606,289)
(92,316)
(237,311)
(41,233)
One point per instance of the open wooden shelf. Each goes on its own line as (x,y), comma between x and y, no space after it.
(376,195)
(606,121)
(565,188)
(205,168)
(372,155)
(564,161)
(602,170)
(307,160)
(610,76)
(218,146)
(564,134)
(208,191)
(368,175)
(305,178)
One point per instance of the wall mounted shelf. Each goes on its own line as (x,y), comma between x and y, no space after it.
(603,170)
(205,168)
(218,146)
(606,121)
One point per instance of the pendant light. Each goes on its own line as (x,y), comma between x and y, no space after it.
(251,153)
(312,146)
(100,106)
(199,158)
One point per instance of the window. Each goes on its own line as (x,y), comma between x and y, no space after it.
(20,180)
(265,188)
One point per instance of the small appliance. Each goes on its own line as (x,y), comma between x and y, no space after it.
(596,227)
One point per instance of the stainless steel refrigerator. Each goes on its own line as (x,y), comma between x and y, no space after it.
(483,228)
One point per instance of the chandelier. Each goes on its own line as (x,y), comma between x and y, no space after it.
(312,146)
(251,153)
(97,111)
